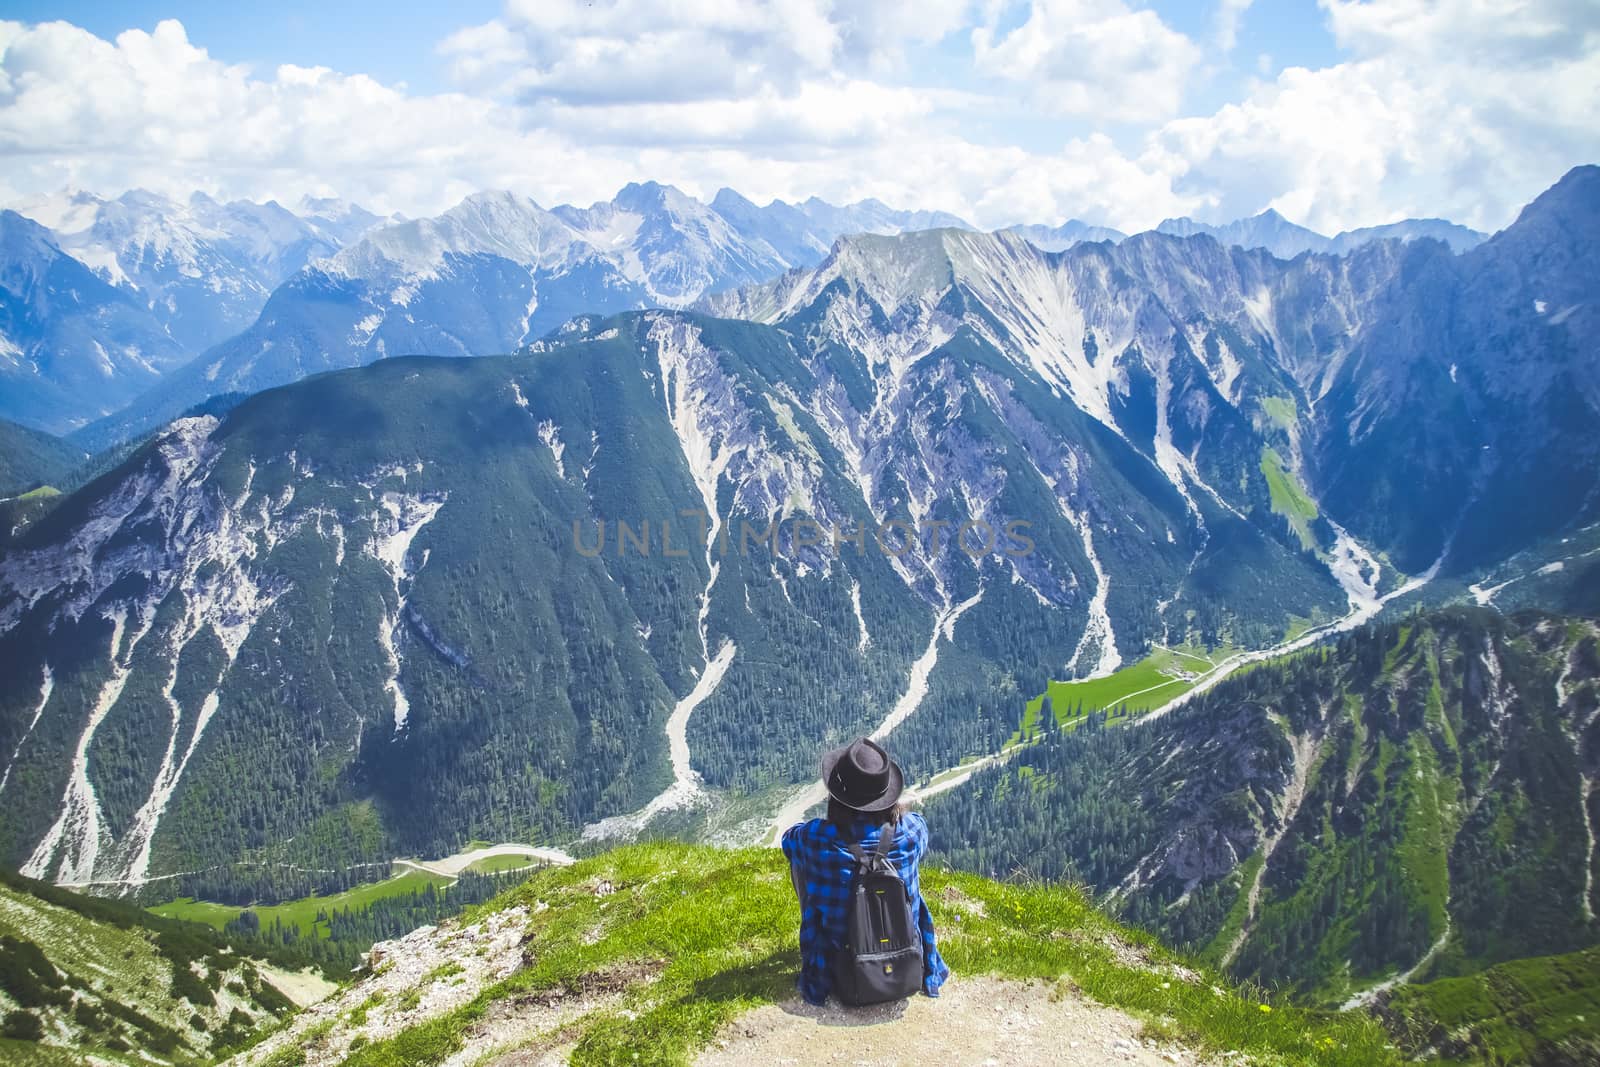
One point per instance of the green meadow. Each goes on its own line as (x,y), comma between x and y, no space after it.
(1163,675)
(1289,498)
(303,913)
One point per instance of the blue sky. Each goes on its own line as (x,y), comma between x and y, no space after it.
(391,42)
(1335,112)
(401,46)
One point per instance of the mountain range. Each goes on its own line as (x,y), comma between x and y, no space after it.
(215,298)
(378,576)
(747,485)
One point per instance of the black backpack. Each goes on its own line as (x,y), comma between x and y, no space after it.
(881,958)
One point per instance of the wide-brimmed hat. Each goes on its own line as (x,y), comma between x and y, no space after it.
(861,776)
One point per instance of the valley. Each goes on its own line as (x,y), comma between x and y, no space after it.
(1144,557)
(813,794)
(407,876)
(462,468)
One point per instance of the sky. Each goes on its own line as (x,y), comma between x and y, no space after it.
(1336,113)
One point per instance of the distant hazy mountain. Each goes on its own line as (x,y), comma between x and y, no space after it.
(1459,238)
(499,270)
(874,216)
(488,275)
(670,245)
(102,297)
(204,268)
(1069,233)
(72,345)
(1268,230)
(207,271)
(802,233)
(1286,240)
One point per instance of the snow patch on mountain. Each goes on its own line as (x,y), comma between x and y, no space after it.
(222,596)
(79,570)
(1038,312)
(550,434)
(492,223)
(395,526)
(865,640)
(686,790)
(670,244)
(203,554)
(944,628)
(1098,636)
(695,393)
(1355,569)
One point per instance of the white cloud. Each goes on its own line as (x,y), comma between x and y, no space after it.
(1225,22)
(1097,58)
(1439,110)
(625,51)
(1456,109)
(152,109)
(1494,34)
(706,72)
(639,51)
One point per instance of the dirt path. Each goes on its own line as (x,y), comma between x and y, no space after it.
(977,1022)
(452,866)
(1365,604)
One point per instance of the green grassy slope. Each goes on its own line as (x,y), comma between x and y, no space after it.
(1164,675)
(86,974)
(1540,1010)
(303,914)
(1289,498)
(631,930)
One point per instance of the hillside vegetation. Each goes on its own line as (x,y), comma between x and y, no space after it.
(1415,799)
(1543,1010)
(647,953)
(30,458)
(81,975)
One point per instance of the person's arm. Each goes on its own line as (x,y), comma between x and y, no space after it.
(916,836)
(790,843)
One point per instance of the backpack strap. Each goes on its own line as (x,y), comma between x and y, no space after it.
(885,840)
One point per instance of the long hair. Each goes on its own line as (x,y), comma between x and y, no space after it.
(840,815)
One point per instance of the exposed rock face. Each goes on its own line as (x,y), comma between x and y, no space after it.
(911,483)
(423,975)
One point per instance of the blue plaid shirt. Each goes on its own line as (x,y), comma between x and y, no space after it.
(820,851)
